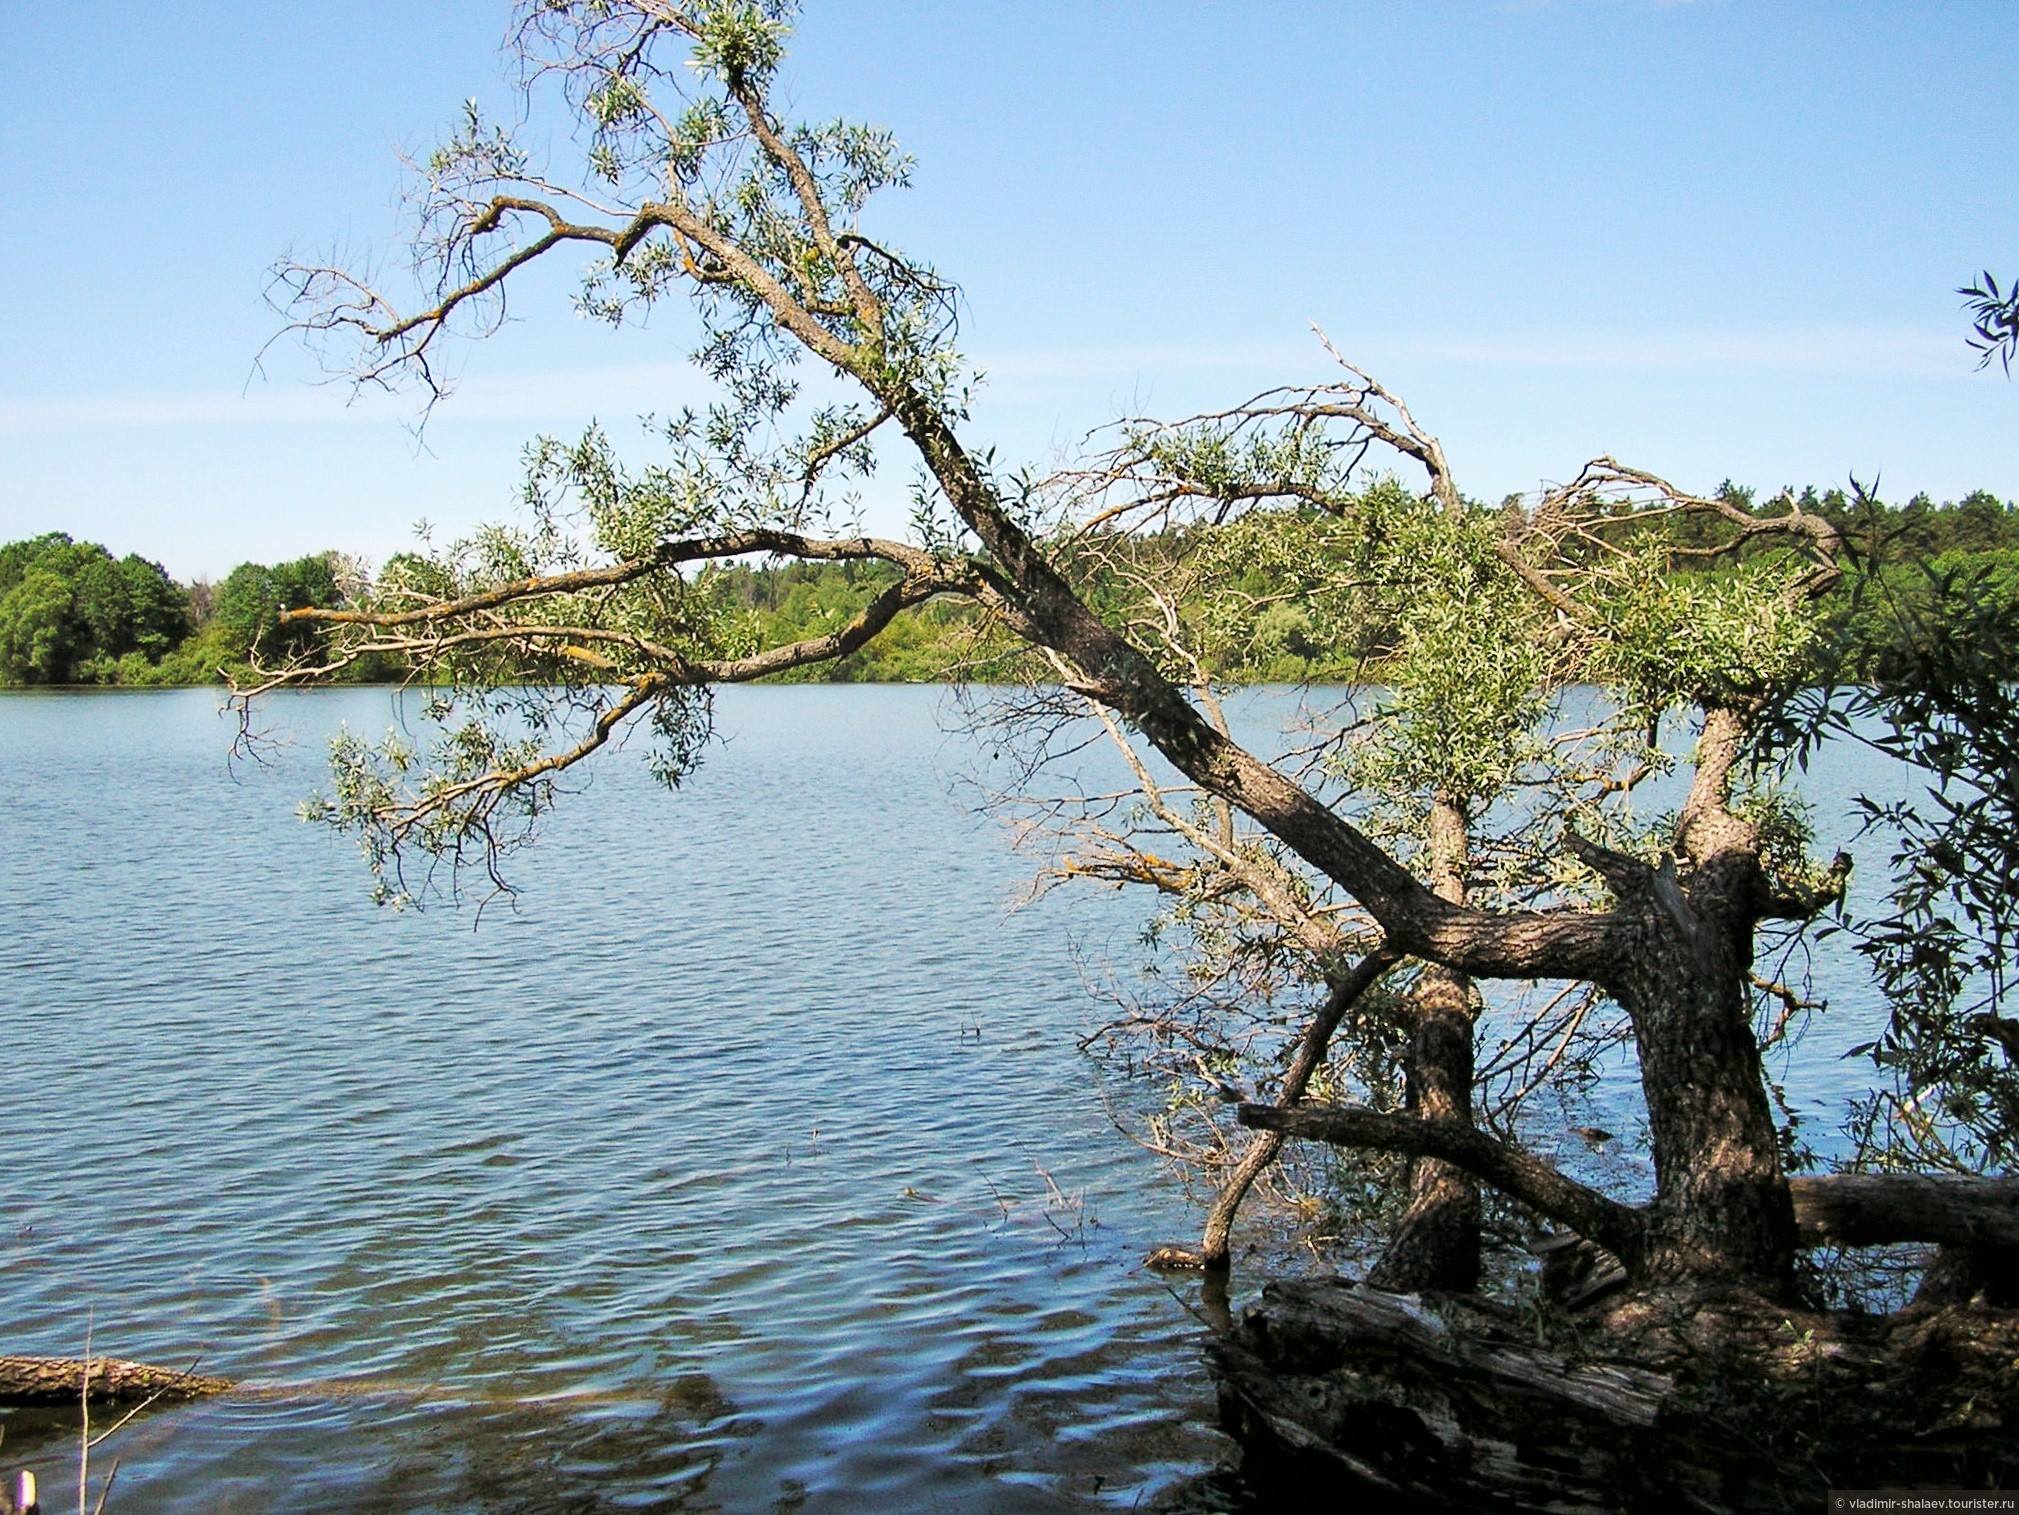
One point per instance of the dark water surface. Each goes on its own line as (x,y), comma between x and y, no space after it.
(747,1163)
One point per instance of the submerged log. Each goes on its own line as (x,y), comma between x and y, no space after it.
(1670,1401)
(29,1382)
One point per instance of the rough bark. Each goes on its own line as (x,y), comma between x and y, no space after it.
(1871,1209)
(60,1381)
(1721,1207)
(1721,1200)
(1677,1400)
(1368,1393)
(1436,1244)
(1721,1203)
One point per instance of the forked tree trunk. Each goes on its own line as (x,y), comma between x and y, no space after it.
(1683,974)
(1721,1203)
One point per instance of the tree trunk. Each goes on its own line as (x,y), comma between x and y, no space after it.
(1436,1246)
(1721,1204)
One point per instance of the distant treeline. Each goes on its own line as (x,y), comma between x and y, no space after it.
(72,613)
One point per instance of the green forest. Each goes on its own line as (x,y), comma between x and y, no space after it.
(73,614)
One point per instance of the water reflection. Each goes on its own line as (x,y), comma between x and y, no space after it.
(297,1449)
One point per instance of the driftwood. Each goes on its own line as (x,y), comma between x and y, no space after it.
(27,1382)
(1659,1402)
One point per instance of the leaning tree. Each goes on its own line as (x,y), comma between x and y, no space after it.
(832,350)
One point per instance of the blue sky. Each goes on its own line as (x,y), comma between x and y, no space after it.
(1713,239)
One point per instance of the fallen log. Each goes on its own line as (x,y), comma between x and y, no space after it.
(54,1382)
(1664,1400)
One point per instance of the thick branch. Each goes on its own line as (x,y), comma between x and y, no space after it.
(1253,870)
(1871,1209)
(873,617)
(667,555)
(1819,541)
(559,229)
(1615,1226)
(868,311)
(677,666)
(1113,671)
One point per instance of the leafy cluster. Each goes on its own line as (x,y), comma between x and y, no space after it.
(1994,326)
(1730,637)
(1939,699)
(70,611)
(1471,656)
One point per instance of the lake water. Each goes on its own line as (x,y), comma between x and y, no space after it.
(747,1162)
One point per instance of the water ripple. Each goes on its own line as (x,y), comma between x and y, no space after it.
(677,1186)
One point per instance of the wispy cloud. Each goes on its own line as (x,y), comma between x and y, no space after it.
(1071,363)
(618,392)
(1841,351)
(1845,351)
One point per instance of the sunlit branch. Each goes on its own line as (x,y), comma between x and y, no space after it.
(726,545)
